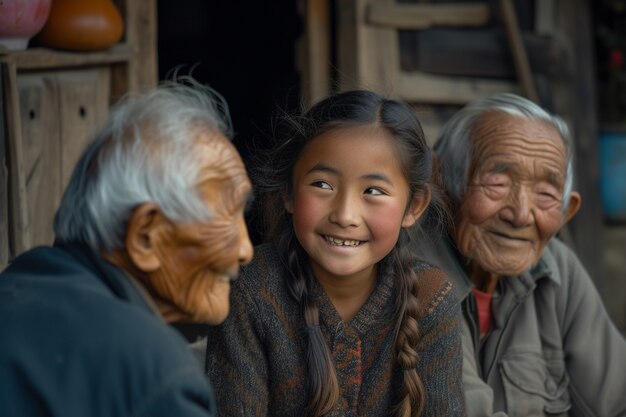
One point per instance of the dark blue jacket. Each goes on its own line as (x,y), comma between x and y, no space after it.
(78,339)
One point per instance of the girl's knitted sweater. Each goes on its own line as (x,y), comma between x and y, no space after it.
(256,359)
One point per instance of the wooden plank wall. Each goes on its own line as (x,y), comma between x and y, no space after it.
(368,56)
(41,154)
(314,56)
(17,202)
(58,112)
(4,183)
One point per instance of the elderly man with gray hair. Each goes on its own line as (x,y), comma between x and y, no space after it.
(537,340)
(150,230)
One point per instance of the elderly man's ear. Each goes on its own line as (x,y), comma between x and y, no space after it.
(572,209)
(144,234)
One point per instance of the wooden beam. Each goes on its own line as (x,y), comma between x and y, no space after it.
(424,16)
(520,58)
(19,229)
(140,33)
(314,50)
(544,17)
(4,182)
(440,89)
(367,55)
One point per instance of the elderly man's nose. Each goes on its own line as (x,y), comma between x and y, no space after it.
(246,250)
(518,210)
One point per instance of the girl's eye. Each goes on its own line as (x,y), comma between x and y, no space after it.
(321,184)
(374,191)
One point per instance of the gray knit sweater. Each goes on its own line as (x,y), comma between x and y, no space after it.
(256,358)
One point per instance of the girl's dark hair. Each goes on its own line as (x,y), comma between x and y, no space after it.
(274,180)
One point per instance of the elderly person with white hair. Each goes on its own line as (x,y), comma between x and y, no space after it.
(537,340)
(150,230)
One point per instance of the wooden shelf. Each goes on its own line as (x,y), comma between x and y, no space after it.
(51,59)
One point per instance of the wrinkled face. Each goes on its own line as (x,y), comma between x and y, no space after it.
(200,259)
(349,202)
(513,202)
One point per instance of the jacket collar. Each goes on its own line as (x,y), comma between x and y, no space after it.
(547,266)
(118,281)
(448,259)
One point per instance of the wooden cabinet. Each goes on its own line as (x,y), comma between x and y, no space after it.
(52,101)
(58,111)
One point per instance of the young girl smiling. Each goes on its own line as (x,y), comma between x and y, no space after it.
(335,316)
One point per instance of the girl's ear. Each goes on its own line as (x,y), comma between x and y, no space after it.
(420,202)
(144,235)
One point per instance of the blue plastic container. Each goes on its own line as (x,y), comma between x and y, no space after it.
(613,175)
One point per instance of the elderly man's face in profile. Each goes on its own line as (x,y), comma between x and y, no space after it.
(198,260)
(513,202)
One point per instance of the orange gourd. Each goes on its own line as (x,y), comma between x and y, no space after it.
(82,25)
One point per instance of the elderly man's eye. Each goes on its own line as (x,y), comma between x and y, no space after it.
(495,177)
(547,200)
(547,193)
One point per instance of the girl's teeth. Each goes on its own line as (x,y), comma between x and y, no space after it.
(340,242)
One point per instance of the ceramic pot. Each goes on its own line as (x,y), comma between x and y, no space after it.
(20,20)
(82,25)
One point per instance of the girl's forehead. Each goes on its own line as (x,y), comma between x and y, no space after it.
(364,147)
(348,142)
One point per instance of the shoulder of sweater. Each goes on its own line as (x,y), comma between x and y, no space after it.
(436,292)
(266,263)
(264,275)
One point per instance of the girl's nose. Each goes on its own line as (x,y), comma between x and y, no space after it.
(345,212)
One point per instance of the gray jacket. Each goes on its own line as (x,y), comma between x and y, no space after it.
(552,349)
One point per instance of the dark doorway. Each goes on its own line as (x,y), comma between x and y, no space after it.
(246,50)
